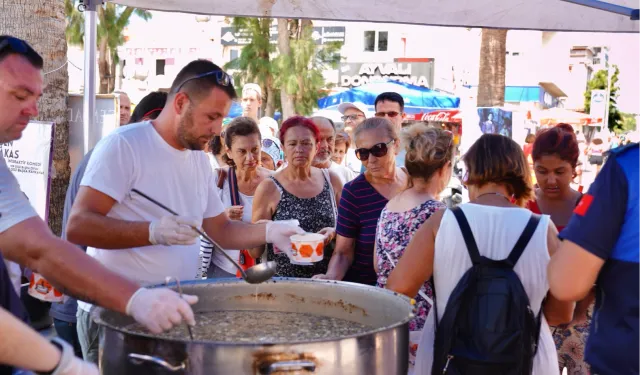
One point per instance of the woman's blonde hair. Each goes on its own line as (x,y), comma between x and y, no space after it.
(499,160)
(428,150)
(377,123)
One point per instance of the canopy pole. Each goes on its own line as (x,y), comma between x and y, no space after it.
(608,7)
(89,101)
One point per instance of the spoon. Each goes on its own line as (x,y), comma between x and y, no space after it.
(167,281)
(254,275)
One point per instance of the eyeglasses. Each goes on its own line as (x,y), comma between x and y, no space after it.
(267,143)
(390,114)
(22,48)
(353,117)
(222,78)
(378,150)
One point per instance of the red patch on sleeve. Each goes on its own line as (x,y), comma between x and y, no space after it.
(583,206)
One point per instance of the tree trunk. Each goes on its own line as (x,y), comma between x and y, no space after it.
(112,72)
(492,68)
(270,107)
(42,23)
(103,67)
(288,106)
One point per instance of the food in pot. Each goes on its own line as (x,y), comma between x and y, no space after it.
(261,327)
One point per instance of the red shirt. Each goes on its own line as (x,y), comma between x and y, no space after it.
(533,207)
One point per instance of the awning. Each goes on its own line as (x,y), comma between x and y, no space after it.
(552,15)
(553,89)
(560,115)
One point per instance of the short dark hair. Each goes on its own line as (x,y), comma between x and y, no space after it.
(390,97)
(198,88)
(239,127)
(496,159)
(149,107)
(12,45)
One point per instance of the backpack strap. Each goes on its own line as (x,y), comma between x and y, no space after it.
(524,239)
(472,247)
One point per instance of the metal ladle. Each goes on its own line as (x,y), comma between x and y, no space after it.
(254,275)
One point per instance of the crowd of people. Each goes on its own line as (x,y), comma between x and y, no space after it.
(519,254)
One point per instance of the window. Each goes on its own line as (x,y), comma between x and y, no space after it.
(383,36)
(369,41)
(374,39)
(160,63)
(233,54)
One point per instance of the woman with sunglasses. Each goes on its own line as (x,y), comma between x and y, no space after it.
(299,192)
(555,155)
(430,153)
(363,201)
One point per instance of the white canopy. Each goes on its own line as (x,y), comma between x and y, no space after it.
(551,15)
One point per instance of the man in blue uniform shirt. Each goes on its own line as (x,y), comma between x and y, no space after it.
(601,247)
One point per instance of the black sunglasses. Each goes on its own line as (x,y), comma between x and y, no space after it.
(222,78)
(391,114)
(19,46)
(378,150)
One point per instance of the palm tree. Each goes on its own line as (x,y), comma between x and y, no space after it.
(254,63)
(300,65)
(492,68)
(42,24)
(112,21)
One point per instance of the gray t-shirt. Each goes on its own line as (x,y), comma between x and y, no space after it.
(67,311)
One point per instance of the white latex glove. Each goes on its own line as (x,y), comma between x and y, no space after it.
(173,230)
(70,364)
(278,233)
(160,309)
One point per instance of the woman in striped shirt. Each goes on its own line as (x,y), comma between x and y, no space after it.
(362,202)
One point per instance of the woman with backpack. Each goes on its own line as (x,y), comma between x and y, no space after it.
(555,156)
(488,259)
(428,161)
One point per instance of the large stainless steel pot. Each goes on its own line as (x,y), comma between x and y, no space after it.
(383,350)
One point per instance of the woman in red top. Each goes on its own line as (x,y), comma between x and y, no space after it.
(555,157)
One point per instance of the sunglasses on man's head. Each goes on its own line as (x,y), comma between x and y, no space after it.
(20,47)
(222,78)
(378,150)
(390,114)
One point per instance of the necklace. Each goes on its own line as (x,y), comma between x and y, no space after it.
(492,193)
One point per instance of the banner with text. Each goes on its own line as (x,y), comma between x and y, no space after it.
(30,159)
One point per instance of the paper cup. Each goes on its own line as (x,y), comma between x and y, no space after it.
(307,248)
(41,289)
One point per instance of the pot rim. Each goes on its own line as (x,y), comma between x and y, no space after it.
(97,311)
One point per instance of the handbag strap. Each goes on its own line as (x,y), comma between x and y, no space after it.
(233,187)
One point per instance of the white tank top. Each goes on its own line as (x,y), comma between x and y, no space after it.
(496,230)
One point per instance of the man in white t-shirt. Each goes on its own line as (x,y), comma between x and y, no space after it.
(251,100)
(28,241)
(164,160)
(326,145)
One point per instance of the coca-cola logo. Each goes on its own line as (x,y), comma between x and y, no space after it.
(439,116)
